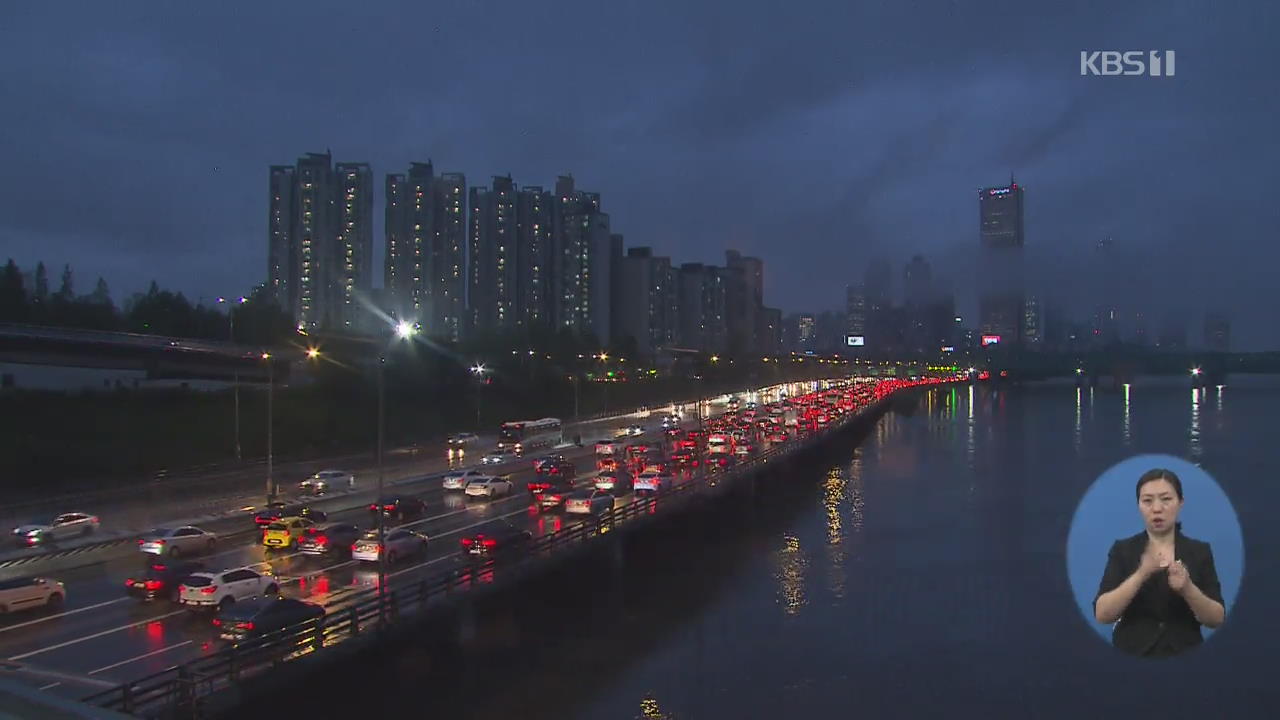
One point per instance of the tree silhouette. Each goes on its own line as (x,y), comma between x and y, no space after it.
(13,297)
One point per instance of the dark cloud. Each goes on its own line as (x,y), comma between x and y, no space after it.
(817,136)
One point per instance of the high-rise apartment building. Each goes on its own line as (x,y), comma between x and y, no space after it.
(352,278)
(492,271)
(583,255)
(282,244)
(702,292)
(408,230)
(646,301)
(448,257)
(534,235)
(745,300)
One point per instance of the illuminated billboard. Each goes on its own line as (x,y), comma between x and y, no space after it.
(990,340)
(855,340)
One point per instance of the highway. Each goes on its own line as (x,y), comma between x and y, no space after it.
(103,636)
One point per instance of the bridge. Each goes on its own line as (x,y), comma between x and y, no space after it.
(368,616)
(1121,366)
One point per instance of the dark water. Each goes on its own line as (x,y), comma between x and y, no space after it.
(920,573)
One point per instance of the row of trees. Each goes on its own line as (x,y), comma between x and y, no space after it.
(27,299)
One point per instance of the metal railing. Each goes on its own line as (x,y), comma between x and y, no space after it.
(181,689)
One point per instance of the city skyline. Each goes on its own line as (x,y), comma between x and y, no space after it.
(185,203)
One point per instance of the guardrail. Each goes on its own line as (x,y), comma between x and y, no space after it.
(181,689)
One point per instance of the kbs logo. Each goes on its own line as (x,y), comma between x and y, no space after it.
(1132,62)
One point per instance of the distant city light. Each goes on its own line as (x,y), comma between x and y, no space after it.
(405,329)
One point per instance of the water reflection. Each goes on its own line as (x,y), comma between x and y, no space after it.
(1194,433)
(1078,436)
(834,492)
(790,575)
(1128,435)
(971,443)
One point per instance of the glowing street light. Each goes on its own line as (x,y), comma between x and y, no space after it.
(405,330)
(313,353)
(1195,372)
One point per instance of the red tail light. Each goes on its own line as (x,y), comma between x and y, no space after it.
(128,583)
(154,584)
(373,506)
(490,543)
(211,589)
(353,547)
(245,625)
(389,508)
(467,542)
(140,542)
(322,540)
(217,622)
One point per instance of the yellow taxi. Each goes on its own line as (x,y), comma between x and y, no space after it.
(284,533)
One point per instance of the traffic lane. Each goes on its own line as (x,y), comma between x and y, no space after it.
(141,648)
(161,633)
(85,641)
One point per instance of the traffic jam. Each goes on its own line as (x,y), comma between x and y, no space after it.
(304,562)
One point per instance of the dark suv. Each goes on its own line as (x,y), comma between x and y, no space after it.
(402,507)
(496,539)
(161,580)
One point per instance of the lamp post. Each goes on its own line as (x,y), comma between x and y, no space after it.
(271,385)
(479,371)
(403,331)
(235,386)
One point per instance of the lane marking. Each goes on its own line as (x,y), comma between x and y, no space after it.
(76,641)
(141,657)
(62,614)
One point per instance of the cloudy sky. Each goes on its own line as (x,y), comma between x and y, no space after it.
(136,136)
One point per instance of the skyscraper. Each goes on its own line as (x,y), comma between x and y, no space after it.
(282,250)
(315,228)
(702,294)
(408,230)
(447,259)
(353,259)
(807,331)
(534,256)
(645,309)
(745,300)
(583,251)
(492,271)
(1001,230)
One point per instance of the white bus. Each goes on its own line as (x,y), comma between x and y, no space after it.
(525,435)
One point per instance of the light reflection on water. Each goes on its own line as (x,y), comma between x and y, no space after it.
(790,575)
(1194,430)
(835,490)
(1127,428)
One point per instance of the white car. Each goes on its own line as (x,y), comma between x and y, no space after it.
(651,482)
(459,480)
(175,542)
(399,543)
(489,487)
(66,525)
(219,589)
(589,502)
(327,480)
(23,593)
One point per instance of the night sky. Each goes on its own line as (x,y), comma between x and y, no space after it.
(816,135)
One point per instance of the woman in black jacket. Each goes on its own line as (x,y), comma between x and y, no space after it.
(1160,586)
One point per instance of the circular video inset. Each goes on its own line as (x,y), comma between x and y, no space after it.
(1155,556)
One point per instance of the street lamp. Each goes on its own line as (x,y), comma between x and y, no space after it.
(231,317)
(403,331)
(479,371)
(271,384)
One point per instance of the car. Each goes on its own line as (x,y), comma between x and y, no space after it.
(551,483)
(497,456)
(463,439)
(176,542)
(459,480)
(495,539)
(615,481)
(218,590)
(327,539)
(589,502)
(606,447)
(284,533)
(261,616)
(161,579)
(636,430)
(777,437)
(548,460)
(490,487)
(278,510)
(684,459)
(720,461)
(62,527)
(744,449)
(651,482)
(552,499)
(398,543)
(24,593)
(401,507)
(559,468)
(326,480)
